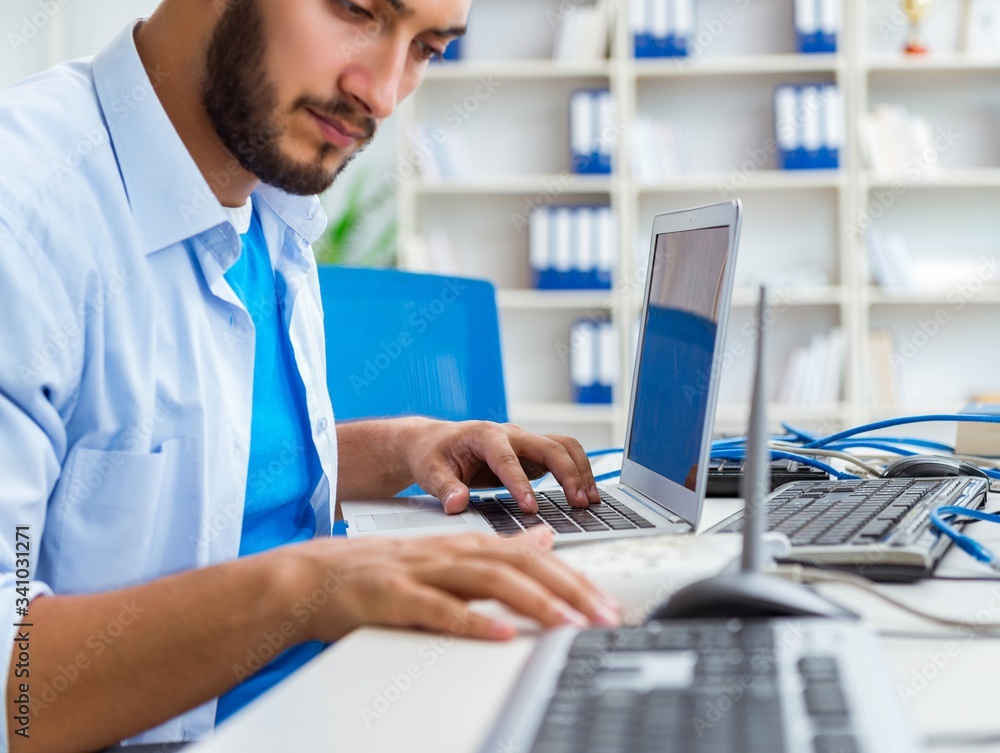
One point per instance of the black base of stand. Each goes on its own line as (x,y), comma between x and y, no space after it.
(748,595)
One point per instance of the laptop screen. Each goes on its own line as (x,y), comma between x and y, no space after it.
(676,356)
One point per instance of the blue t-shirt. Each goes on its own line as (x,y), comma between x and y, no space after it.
(284,467)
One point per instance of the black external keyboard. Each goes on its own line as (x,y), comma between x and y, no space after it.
(725,476)
(733,701)
(853,512)
(505,517)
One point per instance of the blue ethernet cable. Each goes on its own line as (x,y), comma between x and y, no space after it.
(865,428)
(592,454)
(607,451)
(942,519)
(925,443)
(798,434)
(871,445)
(731,448)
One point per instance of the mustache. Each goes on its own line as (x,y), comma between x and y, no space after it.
(341,110)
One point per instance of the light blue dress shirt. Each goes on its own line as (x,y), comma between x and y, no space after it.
(127,359)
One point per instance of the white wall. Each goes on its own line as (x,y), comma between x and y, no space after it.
(35,34)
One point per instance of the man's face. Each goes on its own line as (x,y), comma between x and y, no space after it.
(296,88)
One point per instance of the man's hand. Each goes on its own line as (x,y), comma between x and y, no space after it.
(378,458)
(426,582)
(191,636)
(447,459)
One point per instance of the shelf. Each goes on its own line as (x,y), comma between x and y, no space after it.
(549,185)
(897,410)
(518,69)
(905,63)
(825,296)
(984,177)
(987,295)
(762,180)
(722,102)
(734,413)
(564,413)
(742,65)
(519,300)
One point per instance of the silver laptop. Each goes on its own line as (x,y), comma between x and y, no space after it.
(689,282)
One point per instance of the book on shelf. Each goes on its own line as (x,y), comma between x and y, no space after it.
(895,270)
(441,153)
(572,247)
(881,382)
(896,144)
(889,261)
(435,254)
(981,28)
(814,374)
(981,439)
(592,130)
(661,28)
(817,24)
(594,359)
(809,126)
(582,31)
(659,149)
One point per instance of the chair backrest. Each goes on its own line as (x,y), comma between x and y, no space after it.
(399,343)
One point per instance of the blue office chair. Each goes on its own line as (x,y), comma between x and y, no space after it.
(399,343)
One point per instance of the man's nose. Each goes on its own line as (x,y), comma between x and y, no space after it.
(373,80)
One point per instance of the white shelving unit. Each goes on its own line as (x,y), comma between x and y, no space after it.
(796,223)
(511,101)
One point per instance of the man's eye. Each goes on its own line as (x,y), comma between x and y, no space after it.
(427,52)
(356,11)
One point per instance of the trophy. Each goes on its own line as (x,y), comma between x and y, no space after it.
(915,11)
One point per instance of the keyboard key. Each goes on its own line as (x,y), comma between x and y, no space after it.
(623,525)
(835,744)
(846,512)
(818,667)
(566,528)
(876,529)
(587,713)
(825,699)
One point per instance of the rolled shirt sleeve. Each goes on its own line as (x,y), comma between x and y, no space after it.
(41,353)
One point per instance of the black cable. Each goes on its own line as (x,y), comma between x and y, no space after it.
(830,568)
(960,738)
(932,635)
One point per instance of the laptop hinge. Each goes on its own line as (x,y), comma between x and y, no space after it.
(645,501)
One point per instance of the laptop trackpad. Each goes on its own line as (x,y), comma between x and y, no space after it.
(394,521)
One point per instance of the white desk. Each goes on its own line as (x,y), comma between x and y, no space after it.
(443,695)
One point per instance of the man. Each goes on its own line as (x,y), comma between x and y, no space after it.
(163,347)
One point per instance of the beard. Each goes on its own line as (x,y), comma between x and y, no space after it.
(242,104)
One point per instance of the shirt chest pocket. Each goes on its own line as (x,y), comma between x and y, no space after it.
(109,513)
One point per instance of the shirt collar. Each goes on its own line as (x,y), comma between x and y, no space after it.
(169,198)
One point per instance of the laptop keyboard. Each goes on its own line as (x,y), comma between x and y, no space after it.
(505,517)
(734,700)
(852,512)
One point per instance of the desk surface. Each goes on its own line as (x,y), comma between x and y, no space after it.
(389,691)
